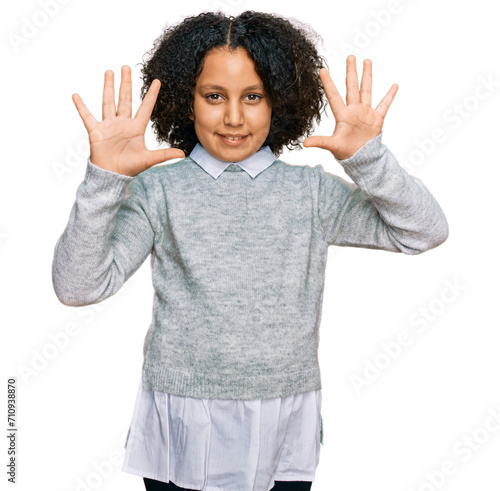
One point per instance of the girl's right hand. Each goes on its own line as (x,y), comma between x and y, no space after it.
(117,142)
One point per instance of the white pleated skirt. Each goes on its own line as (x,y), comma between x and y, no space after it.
(222,445)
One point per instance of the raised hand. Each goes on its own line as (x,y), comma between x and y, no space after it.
(117,142)
(357,122)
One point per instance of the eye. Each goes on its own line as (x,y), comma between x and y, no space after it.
(213,97)
(253,97)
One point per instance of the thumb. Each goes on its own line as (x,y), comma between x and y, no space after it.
(163,154)
(317,141)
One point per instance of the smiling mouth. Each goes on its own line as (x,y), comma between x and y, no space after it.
(233,140)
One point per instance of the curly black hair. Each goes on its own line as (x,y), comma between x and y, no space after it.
(285,57)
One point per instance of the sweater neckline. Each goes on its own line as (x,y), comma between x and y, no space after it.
(230,185)
(197,171)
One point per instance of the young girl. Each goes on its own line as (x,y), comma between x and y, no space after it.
(230,392)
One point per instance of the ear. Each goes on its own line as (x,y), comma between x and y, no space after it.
(191,112)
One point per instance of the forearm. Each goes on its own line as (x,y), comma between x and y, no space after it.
(395,210)
(89,262)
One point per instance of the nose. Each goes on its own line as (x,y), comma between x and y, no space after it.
(234,115)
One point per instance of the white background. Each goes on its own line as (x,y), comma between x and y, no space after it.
(417,414)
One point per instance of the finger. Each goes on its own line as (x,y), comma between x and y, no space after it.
(148,103)
(366,83)
(88,120)
(158,156)
(125,95)
(334,98)
(108,96)
(352,96)
(386,102)
(316,141)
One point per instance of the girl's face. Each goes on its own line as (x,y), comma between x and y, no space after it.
(231,113)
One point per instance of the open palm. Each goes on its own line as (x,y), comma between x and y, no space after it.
(117,142)
(355,122)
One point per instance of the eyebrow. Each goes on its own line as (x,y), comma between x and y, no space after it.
(218,87)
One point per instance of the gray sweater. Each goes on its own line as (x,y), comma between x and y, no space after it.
(238,262)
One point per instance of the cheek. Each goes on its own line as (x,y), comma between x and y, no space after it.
(259,118)
(265,120)
(205,117)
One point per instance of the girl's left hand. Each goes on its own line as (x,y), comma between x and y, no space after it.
(357,122)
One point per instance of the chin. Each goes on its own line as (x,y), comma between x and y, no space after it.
(235,155)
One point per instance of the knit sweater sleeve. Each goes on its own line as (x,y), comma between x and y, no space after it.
(385,208)
(109,235)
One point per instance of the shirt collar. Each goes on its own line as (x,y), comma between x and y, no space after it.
(253,165)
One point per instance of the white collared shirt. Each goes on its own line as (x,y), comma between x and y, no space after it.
(253,165)
(218,444)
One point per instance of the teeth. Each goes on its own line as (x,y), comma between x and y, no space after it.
(234,138)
